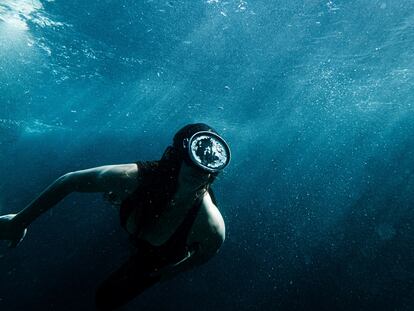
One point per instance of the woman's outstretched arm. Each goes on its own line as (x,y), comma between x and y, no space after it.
(116,178)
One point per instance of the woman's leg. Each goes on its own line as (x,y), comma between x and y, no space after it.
(123,285)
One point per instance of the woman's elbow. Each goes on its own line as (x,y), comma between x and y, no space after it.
(66,182)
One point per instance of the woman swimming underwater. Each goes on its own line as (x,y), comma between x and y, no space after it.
(166,206)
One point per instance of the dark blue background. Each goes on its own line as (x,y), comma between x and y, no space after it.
(314,97)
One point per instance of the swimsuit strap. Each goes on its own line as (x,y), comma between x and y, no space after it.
(182,232)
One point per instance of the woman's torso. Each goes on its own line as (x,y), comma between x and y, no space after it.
(158,228)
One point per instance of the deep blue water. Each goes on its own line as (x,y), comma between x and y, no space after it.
(316,99)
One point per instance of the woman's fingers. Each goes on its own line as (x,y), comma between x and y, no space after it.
(15,242)
(5,226)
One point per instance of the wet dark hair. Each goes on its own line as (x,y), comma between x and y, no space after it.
(188,131)
(161,177)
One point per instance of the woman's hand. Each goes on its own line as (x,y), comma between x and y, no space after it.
(11,231)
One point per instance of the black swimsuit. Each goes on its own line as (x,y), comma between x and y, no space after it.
(137,273)
(175,248)
(147,203)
